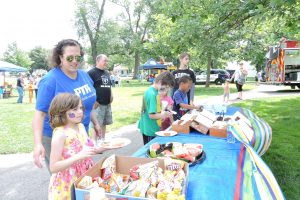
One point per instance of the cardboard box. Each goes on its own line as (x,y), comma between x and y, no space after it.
(123,165)
(218,129)
(199,127)
(181,126)
(203,123)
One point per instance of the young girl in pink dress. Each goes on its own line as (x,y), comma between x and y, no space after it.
(71,148)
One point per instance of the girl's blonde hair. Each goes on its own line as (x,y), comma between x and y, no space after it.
(59,106)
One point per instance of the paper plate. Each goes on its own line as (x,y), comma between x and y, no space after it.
(166,133)
(115,143)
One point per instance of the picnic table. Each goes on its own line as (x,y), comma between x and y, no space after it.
(230,170)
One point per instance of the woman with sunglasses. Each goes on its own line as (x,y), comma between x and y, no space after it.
(63,77)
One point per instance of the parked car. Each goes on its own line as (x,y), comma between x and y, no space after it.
(231,72)
(217,76)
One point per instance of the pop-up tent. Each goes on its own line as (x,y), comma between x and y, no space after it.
(9,67)
(152,64)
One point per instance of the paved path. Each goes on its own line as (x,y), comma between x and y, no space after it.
(262,91)
(20,179)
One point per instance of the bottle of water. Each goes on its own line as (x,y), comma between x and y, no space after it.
(230,138)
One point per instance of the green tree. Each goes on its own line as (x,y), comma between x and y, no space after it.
(215,31)
(17,56)
(88,18)
(39,56)
(137,20)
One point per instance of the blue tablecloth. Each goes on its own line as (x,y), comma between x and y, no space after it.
(230,171)
(215,178)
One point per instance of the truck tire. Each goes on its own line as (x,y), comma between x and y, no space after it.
(218,81)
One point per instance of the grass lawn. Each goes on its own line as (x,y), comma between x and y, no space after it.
(283,156)
(281,113)
(15,119)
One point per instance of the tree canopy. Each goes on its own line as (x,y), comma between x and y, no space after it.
(212,31)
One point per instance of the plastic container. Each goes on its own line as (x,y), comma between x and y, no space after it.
(230,138)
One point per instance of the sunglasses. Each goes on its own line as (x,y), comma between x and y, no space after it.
(164,88)
(71,58)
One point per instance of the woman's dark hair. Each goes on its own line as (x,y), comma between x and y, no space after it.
(166,78)
(58,50)
(59,106)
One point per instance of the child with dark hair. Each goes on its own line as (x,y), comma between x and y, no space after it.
(181,103)
(152,115)
(71,148)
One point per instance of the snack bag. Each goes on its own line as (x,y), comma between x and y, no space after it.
(134,172)
(115,183)
(100,182)
(152,193)
(85,182)
(141,189)
(173,164)
(143,171)
(163,189)
(131,187)
(138,188)
(108,167)
(156,177)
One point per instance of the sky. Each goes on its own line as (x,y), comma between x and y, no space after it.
(34,23)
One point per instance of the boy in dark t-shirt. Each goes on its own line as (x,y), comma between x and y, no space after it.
(180,98)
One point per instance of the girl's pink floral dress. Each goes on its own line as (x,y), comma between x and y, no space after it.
(60,183)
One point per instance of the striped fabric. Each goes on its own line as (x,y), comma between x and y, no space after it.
(254,178)
(262,132)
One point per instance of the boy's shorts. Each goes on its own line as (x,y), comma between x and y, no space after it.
(104,114)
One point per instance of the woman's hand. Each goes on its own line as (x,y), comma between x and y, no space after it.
(38,155)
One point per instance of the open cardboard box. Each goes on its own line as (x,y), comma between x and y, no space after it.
(181,126)
(123,165)
(218,129)
(202,123)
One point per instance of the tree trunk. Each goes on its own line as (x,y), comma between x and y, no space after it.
(209,61)
(136,64)
(94,51)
